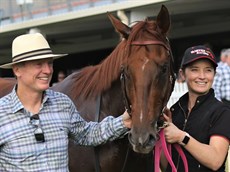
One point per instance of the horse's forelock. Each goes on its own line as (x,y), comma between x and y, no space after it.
(141,28)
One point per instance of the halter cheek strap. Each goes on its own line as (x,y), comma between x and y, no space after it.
(125,97)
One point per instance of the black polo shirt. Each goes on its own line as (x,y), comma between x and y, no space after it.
(208,117)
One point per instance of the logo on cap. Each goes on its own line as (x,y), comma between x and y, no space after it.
(200,51)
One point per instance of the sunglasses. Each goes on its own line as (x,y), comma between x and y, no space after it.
(38,133)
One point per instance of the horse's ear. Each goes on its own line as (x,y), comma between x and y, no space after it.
(163,19)
(120,27)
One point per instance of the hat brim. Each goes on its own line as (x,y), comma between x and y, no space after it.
(54,56)
(202,57)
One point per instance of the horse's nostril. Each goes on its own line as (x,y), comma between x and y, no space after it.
(142,141)
(152,138)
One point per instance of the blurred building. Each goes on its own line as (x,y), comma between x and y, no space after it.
(82,28)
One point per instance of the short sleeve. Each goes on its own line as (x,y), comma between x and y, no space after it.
(220,124)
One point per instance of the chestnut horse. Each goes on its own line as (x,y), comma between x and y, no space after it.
(137,75)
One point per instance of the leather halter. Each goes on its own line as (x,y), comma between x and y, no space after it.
(151,42)
(161,143)
(122,77)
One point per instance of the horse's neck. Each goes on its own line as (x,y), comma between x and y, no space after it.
(112,100)
(109,102)
(6,85)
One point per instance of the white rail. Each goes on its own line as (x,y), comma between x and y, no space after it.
(179,89)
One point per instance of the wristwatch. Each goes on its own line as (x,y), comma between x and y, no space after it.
(185,140)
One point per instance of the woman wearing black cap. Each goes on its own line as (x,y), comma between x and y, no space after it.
(198,121)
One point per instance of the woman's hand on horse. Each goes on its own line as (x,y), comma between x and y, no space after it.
(126,119)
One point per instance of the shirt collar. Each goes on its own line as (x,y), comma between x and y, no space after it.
(200,100)
(16,103)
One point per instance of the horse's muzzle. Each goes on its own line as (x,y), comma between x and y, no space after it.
(142,144)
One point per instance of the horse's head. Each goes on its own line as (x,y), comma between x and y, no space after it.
(147,76)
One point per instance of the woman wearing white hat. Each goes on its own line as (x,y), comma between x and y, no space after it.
(35,122)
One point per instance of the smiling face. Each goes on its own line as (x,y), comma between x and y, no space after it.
(199,76)
(34,76)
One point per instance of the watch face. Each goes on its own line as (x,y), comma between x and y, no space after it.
(186,139)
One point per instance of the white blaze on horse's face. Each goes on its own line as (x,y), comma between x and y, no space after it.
(141,116)
(146,61)
(143,68)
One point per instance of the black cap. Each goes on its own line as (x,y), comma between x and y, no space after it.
(198,52)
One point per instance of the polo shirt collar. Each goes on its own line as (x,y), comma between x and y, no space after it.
(184,99)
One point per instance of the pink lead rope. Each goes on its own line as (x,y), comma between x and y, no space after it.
(161,144)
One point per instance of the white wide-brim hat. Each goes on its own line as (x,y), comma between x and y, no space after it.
(29,47)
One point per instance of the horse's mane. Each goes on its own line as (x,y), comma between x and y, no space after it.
(93,80)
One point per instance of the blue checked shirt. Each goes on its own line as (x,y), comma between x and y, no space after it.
(19,150)
(221,84)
